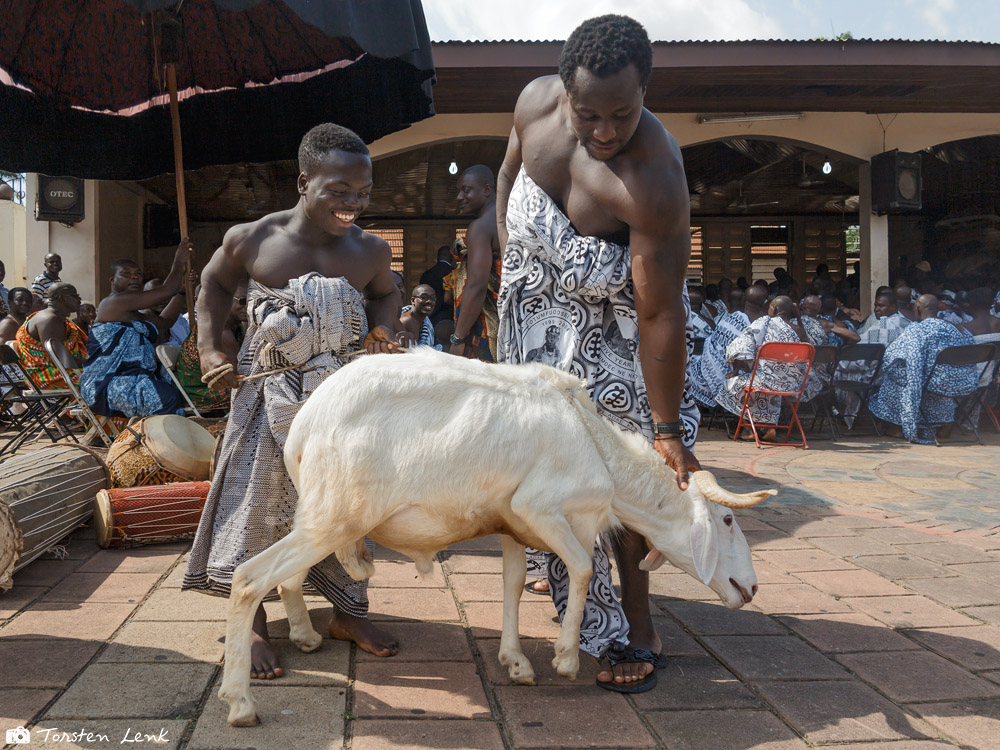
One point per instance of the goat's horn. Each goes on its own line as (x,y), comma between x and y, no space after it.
(712,491)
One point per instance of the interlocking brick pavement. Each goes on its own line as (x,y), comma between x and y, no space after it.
(877,627)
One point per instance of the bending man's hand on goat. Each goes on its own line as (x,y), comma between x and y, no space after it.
(678,458)
(380,340)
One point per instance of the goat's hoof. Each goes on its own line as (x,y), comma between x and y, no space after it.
(307,642)
(567,666)
(518,667)
(243,713)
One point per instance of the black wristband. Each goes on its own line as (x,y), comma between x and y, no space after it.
(669,428)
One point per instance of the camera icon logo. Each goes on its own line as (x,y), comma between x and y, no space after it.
(19,736)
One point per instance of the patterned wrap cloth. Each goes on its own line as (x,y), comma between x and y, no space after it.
(907,362)
(482,340)
(708,373)
(567,300)
(188,372)
(770,375)
(36,360)
(310,323)
(122,377)
(882,331)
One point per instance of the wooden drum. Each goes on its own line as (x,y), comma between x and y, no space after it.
(159,450)
(128,517)
(44,495)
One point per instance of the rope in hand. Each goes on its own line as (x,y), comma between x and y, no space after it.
(214,376)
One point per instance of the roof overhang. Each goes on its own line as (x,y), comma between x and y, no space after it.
(754,76)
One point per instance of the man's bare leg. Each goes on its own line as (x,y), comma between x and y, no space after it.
(374,640)
(264,662)
(629,550)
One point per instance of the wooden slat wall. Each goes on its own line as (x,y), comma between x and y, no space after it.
(725,250)
(823,242)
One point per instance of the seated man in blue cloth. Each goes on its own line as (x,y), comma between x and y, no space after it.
(122,376)
(901,400)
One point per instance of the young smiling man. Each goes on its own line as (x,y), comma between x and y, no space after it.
(593,213)
(307,269)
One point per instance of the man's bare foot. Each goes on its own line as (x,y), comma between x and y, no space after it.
(264,664)
(537,586)
(374,640)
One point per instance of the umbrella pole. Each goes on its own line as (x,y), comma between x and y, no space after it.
(175,124)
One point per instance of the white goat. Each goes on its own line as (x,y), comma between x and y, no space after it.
(425,450)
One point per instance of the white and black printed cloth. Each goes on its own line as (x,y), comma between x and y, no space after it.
(250,506)
(567,300)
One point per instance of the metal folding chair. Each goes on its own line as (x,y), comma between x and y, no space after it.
(982,357)
(100,427)
(41,407)
(168,354)
(798,353)
(823,357)
(870,358)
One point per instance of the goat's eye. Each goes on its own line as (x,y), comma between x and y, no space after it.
(728,520)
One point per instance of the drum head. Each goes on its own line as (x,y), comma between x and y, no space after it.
(102,518)
(179,445)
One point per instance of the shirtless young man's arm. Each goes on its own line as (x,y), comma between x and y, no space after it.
(660,246)
(478,260)
(505,180)
(383,299)
(219,281)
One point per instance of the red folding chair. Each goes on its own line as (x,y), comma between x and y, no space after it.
(790,354)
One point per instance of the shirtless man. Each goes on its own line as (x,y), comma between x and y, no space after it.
(477,196)
(310,255)
(20,303)
(586,142)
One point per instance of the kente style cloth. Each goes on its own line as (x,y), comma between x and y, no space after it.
(311,324)
(481,342)
(701,328)
(901,398)
(36,360)
(567,300)
(122,376)
(833,339)
(777,376)
(882,331)
(427,336)
(708,373)
(188,373)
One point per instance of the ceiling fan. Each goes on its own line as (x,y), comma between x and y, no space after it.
(805,181)
(741,204)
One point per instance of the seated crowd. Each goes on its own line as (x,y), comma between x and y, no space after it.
(910,327)
(110,350)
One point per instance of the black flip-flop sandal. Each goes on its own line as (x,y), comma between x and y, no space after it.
(530,588)
(619,653)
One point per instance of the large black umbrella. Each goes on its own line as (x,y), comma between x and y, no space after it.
(84,84)
(101,88)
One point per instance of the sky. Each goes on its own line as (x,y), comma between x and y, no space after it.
(670,20)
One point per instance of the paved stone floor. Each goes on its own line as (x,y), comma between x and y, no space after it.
(877,627)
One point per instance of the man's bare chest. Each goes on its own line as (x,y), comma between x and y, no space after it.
(588,193)
(276,263)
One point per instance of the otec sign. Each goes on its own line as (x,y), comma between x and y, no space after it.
(60,199)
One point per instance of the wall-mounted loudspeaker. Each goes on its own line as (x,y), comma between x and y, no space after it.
(896,182)
(160,226)
(59,199)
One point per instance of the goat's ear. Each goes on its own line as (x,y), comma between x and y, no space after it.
(704,543)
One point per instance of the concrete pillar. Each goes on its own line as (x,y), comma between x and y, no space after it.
(874,242)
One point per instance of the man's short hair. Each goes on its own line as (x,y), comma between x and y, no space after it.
(604,46)
(117,265)
(323,139)
(15,290)
(482,173)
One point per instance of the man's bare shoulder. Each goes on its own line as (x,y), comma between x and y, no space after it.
(243,237)
(653,148)
(372,243)
(538,99)
(485,225)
